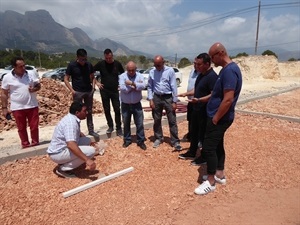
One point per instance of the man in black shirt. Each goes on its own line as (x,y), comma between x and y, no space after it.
(83,85)
(204,85)
(110,70)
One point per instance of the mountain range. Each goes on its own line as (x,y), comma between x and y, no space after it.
(38,31)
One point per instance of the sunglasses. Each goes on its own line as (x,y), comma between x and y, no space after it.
(212,56)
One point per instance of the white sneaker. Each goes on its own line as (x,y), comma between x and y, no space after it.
(204,188)
(217,179)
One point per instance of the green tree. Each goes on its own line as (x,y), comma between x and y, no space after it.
(269,52)
(184,62)
(241,54)
(292,59)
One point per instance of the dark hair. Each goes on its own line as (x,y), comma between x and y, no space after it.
(81,52)
(205,58)
(107,51)
(76,107)
(15,59)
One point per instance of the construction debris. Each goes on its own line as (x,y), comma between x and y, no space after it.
(54,101)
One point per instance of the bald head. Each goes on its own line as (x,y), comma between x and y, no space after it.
(218,54)
(131,65)
(217,47)
(158,62)
(131,68)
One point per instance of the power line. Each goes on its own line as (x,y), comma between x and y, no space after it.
(199,23)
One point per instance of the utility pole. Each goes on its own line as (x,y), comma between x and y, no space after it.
(175,60)
(40,58)
(257,29)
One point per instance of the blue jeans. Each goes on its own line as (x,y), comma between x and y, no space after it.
(138,116)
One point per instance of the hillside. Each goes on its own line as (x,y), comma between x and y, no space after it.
(262,68)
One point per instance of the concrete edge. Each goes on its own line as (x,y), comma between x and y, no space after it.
(277,116)
(41,149)
(267,95)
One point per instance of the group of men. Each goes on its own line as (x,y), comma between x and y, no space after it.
(212,99)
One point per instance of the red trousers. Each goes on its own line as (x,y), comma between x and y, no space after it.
(21,117)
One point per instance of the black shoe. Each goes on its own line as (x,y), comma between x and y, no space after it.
(119,133)
(142,145)
(187,155)
(94,134)
(126,144)
(110,130)
(65,174)
(186,138)
(177,146)
(198,161)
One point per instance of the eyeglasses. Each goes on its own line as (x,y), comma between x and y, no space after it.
(212,56)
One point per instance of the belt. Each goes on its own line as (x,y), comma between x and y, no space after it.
(163,95)
(131,103)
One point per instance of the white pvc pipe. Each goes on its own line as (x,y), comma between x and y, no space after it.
(96,182)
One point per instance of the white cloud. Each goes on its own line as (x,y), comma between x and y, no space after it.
(133,22)
(232,24)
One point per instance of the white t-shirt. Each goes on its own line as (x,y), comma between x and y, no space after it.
(18,87)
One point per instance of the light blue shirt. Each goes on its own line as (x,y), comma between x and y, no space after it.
(162,82)
(68,129)
(128,93)
(191,82)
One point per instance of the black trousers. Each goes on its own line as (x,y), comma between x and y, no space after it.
(189,118)
(113,97)
(87,99)
(213,146)
(199,119)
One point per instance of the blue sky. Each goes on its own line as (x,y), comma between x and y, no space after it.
(182,27)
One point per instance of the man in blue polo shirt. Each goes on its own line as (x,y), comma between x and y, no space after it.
(131,86)
(83,85)
(220,113)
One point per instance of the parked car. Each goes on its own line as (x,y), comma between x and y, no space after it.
(9,68)
(176,70)
(140,70)
(97,76)
(56,74)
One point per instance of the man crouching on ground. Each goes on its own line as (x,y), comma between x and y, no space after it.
(69,148)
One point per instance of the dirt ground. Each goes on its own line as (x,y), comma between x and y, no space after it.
(262,169)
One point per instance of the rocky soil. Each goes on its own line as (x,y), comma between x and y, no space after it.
(262,170)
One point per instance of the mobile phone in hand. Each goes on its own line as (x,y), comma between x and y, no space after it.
(8,116)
